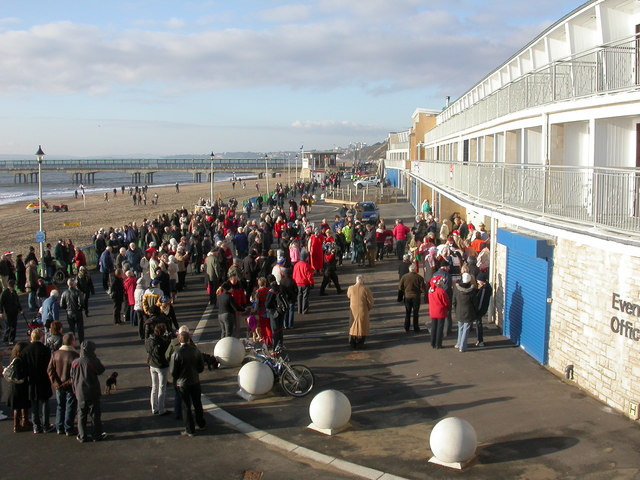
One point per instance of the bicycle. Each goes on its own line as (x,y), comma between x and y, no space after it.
(297,380)
(61,274)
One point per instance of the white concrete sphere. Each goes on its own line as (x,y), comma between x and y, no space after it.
(330,409)
(453,440)
(255,378)
(229,351)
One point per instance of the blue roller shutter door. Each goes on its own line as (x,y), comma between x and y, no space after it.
(391,174)
(526,311)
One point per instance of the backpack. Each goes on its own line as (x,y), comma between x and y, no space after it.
(282,303)
(10,373)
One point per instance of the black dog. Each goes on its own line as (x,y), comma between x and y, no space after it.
(210,361)
(111,383)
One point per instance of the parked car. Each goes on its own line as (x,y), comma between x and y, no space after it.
(35,207)
(367,182)
(367,212)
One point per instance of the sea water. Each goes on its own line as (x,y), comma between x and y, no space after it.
(58,184)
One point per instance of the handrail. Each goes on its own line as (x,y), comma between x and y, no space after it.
(603,197)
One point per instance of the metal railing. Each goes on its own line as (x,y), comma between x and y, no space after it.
(143,164)
(608,68)
(607,198)
(351,194)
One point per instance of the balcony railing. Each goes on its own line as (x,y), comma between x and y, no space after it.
(609,68)
(606,198)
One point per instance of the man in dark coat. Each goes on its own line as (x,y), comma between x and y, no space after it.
(59,371)
(227,309)
(250,271)
(7,269)
(330,269)
(85,285)
(185,366)
(483,298)
(117,296)
(72,301)
(36,357)
(106,267)
(370,245)
(214,273)
(241,242)
(86,386)
(290,289)
(464,304)
(60,254)
(413,288)
(10,308)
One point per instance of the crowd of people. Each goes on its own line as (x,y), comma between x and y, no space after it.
(261,269)
(259,274)
(454,260)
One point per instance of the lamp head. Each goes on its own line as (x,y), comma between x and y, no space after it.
(39,154)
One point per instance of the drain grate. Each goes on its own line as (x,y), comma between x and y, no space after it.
(249,475)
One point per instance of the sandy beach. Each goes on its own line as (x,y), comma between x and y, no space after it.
(19,226)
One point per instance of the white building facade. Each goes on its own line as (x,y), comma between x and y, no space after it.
(546,150)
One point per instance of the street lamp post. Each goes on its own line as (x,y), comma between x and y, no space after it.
(40,236)
(296,167)
(266,171)
(212,156)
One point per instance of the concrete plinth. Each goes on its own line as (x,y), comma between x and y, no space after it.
(329,431)
(454,465)
(249,397)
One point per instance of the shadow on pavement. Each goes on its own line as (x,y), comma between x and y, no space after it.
(512,450)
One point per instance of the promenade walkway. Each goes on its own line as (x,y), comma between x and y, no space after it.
(530,424)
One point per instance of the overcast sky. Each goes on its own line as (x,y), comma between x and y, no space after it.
(169,77)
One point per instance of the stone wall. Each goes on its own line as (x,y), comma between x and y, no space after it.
(606,363)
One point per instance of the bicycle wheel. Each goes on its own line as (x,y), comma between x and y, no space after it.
(296,380)
(59,276)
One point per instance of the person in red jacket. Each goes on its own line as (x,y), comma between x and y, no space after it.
(238,295)
(130,283)
(278,228)
(303,276)
(80,258)
(439,304)
(400,232)
(316,240)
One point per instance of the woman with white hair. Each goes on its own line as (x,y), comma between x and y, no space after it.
(50,310)
(138,295)
(360,303)
(445,229)
(172,269)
